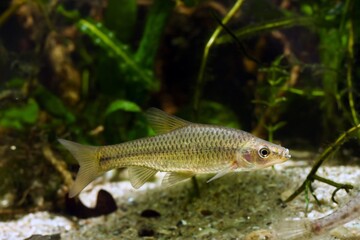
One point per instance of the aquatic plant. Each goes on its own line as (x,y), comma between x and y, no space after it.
(287,74)
(201,76)
(58,107)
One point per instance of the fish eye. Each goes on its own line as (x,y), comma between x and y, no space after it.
(264,152)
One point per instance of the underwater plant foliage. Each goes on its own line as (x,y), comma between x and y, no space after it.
(86,71)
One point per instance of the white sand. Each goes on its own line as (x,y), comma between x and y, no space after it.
(229,208)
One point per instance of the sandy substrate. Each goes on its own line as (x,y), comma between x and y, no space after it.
(237,206)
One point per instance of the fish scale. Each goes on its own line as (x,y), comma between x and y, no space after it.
(182,149)
(171,151)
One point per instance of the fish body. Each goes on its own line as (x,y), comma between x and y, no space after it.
(182,149)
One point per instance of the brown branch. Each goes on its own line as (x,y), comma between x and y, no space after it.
(323,157)
(10,11)
(59,165)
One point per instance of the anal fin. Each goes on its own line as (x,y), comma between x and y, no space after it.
(172,178)
(140,175)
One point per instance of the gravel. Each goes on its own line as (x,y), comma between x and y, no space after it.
(244,205)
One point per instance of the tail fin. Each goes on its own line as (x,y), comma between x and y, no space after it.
(89,165)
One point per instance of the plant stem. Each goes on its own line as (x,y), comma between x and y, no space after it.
(267,26)
(200,79)
(350,64)
(154,29)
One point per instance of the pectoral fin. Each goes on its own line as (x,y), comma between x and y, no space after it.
(140,175)
(223,172)
(172,178)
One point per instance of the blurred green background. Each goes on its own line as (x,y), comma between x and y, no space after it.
(86,70)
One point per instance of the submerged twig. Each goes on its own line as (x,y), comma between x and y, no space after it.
(11,212)
(59,165)
(323,157)
(338,186)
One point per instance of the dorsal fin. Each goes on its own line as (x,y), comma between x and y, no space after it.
(162,122)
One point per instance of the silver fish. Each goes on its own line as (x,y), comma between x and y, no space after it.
(182,149)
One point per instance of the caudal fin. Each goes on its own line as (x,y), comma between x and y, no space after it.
(89,165)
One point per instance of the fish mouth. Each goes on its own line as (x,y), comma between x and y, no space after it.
(286,153)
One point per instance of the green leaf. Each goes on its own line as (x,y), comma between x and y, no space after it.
(15,83)
(307,9)
(116,49)
(155,25)
(70,14)
(123,105)
(120,16)
(52,104)
(17,117)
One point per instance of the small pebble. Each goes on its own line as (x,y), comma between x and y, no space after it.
(206,232)
(261,234)
(146,232)
(44,237)
(131,201)
(150,213)
(206,212)
(181,223)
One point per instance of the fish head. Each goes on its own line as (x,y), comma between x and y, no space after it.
(259,153)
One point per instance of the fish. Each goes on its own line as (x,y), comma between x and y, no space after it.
(181,148)
(318,228)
